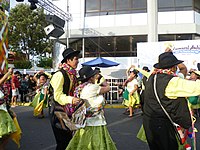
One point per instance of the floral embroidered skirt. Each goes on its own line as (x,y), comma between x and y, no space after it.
(92,138)
(7,125)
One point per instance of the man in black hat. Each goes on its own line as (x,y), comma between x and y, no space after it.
(171,91)
(63,83)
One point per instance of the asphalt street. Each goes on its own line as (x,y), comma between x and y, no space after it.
(37,133)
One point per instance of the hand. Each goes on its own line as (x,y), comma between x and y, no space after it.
(10,70)
(168,50)
(75,101)
(131,93)
(133,66)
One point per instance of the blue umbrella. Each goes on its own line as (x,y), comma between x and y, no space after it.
(100,62)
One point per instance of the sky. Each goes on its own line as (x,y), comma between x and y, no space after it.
(14,2)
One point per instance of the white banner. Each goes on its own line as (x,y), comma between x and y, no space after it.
(188,51)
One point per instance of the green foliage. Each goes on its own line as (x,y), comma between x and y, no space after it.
(22,64)
(26,30)
(45,63)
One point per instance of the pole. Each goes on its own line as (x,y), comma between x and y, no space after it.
(152,13)
(83,48)
(67,36)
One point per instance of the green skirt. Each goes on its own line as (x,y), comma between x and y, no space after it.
(7,125)
(132,100)
(92,138)
(37,99)
(142,136)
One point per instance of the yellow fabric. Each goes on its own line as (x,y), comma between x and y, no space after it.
(145,73)
(101,81)
(48,74)
(141,134)
(16,136)
(57,82)
(38,108)
(132,101)
(178,87)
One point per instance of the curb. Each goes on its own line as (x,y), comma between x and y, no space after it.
(114,106)
(106,106)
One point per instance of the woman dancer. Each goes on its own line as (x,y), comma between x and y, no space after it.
(9,127)
(40,100)
(95,134)
(131,85)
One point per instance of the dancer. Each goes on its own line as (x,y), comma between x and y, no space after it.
(9,128)
(63,83)
(131,100)
(40,100)
(194,100)
(171,91)
(95,134)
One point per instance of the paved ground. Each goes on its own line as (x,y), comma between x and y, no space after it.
(37,133)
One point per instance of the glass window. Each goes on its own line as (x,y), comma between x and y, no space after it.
(91,45)
(92,5)
(182,3)
(106,44)
(122,54)
(165,37)
(175,37)
(139,10)
(107,5)
(137,39)
(76,44)
(122,43)
(123,11)
(107,13)
(197,5)
(92,14)
(122,4)
(184,37)
(165,3)
(196,37)
(138,4)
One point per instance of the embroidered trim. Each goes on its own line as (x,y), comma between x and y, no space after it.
(164,71)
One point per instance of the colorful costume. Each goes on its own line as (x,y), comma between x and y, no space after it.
(95,135)
(63,83)
(132,99)
(39,102)
(8,123)
(194,102)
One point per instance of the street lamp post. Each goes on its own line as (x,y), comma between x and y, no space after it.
(67,35)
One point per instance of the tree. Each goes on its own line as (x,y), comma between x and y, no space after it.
(45,62)
(26,31)
(20,61)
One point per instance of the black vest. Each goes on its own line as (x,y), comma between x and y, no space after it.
(176,108)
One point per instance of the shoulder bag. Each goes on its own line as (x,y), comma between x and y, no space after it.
(179,131)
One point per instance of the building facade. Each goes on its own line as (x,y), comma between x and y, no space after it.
(112,28)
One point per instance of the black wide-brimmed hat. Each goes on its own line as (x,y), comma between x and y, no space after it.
(167,60)
(98,69)
(146,68)
(86,72)
(69,52)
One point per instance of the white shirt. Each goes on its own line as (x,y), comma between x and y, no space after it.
(90,94)
(131,84)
